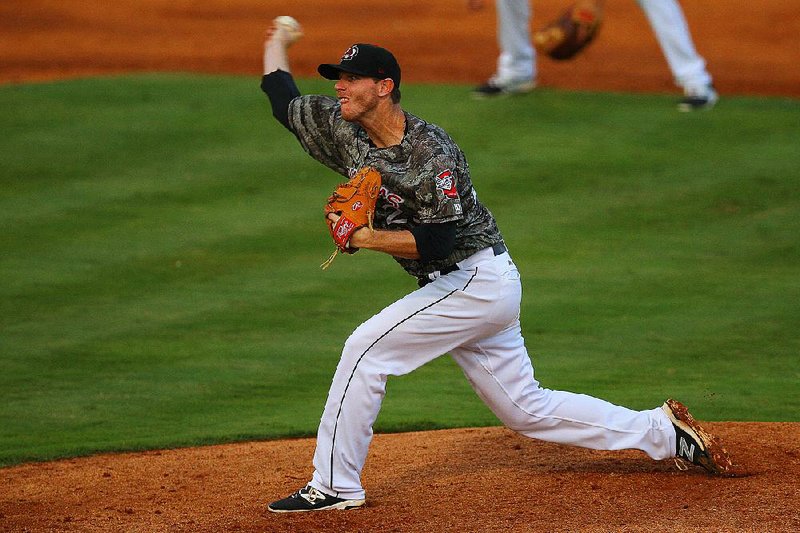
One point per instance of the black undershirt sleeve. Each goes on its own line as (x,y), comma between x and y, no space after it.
(435,241)
(281,89)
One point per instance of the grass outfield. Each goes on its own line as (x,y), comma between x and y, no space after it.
(162,235)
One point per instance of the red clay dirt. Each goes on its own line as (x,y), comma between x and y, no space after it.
(486,479)
(751,47)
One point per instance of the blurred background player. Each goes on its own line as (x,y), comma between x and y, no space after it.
(516,66)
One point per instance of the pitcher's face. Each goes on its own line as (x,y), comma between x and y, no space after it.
(357,95)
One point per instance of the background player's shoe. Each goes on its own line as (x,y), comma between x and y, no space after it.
(693,444)
(310,499)
(498,87)
(696,98)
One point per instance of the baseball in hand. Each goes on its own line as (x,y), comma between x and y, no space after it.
(291,29)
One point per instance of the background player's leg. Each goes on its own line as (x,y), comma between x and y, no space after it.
(516,65)
(672,32)
(517,55)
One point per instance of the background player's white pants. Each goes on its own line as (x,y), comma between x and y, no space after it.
(670,28)
(472,314)
(517,60)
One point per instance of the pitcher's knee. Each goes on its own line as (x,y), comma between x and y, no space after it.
(524,414)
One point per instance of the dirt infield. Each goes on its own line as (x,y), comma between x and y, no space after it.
(487,479)
(751,47)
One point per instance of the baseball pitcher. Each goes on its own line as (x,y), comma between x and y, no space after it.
(429,218)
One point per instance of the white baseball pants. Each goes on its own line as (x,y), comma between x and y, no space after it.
(517,59)
(473,314)
(672,32)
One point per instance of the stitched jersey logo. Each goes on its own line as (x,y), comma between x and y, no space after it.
(447,183)
(393,199)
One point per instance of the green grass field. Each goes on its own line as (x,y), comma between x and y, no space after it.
(162,235)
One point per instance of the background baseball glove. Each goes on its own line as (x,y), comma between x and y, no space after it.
(572,31)
(354,202)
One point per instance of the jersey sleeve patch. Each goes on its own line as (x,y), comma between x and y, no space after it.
(443,201)
(445,182)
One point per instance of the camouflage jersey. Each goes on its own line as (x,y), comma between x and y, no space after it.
(425,178)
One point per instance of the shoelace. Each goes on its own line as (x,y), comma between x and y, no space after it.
(311,495)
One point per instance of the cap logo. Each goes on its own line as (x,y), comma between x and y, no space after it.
(350,53)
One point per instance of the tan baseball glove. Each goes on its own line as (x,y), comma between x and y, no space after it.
(572,31)
(354,203)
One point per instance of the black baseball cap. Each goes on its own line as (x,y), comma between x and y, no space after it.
(364,60)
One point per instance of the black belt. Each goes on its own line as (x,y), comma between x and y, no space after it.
(497,248)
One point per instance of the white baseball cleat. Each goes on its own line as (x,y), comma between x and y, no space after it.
(697,98)
(498,87)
